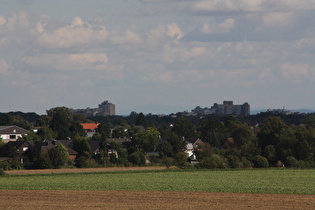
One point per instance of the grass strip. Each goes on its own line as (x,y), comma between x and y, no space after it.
(274,181)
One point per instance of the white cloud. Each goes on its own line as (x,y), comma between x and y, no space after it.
(4,66)
(174,31)
(298,72)
(40,28)
(77,22)
(253,5)
(2,20)
(223,27)
(71,62)
(75,34)
(228,5)
(126,37)
(278,19)
(159,77)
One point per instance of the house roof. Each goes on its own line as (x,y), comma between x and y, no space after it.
(118,140)
(94,144)
(90,126)
(140,127)
(47,145)
(18,144)
(12,129)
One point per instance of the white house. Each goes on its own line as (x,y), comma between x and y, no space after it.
(12,133)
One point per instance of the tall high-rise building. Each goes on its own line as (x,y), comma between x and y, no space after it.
(104,109)
(227,108)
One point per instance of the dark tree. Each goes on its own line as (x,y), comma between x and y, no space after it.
(141,120)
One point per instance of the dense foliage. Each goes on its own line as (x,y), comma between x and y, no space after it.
(262,140)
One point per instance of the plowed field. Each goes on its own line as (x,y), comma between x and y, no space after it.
(47,199)
(69,199)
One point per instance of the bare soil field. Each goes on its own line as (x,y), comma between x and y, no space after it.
(70,199)
(78,170)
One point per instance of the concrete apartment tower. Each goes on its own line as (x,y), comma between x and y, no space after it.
(106,109)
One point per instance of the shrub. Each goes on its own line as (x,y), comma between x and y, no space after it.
(234,161)
(168,162)
(2,173)
(137,158)
(245,163)
(180,159)
(291,161)
(214,161)
(260,162)
(279,164)
(83,162)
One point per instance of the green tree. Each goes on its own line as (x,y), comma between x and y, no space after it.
(137,158)
(82,146)
(44,121)
(213,131)
(58,155)
(260,162)
(270,153)
(141,120)
(46,133)
(76,130)
(146,140)
(165,149)
(104,130)
(180,159)
(62,119)
(184,127)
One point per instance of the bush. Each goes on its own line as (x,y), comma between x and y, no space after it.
(180,159)
(168,162)
(234,161)
(137,158)
(291,161)
(245,163)
(260,162)
(214,161)
(2,173)
(83,162)
(11,164)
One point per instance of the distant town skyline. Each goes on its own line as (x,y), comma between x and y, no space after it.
(156,56)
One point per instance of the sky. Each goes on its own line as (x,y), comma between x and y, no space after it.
(156,55)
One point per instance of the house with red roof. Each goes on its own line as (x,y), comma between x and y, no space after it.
(90,128)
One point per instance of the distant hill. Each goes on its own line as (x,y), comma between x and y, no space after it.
(306,111)
(31,117)
(154,109)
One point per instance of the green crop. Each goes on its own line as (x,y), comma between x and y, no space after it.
(278,181)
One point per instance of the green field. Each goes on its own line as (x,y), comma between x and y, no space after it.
(278,181)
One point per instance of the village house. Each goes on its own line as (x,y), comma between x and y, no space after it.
(90,128)
(12,133)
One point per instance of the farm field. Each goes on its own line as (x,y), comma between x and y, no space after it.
(168,189)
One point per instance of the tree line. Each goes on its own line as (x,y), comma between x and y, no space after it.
(262,140)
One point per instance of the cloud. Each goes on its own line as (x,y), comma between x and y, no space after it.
(228,5)
(4,66)
(298,72)
(2,20)
(69,62)
(17,21)
(223,27)
(174,31)
(277,19)
(78,33)
(126,37)
(159,77)
(217,6)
